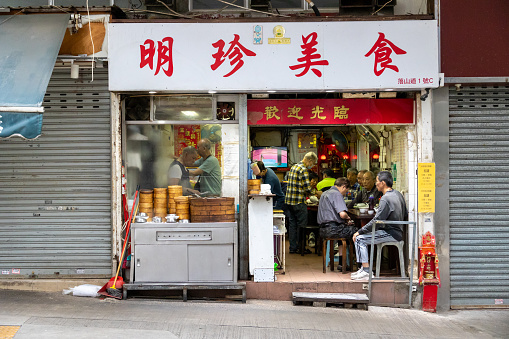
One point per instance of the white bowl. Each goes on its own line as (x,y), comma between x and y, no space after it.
(371,212)
(363,210)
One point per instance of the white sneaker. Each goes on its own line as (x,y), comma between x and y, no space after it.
(354,274)
(362,276)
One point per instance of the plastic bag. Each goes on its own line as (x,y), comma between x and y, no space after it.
(85,290)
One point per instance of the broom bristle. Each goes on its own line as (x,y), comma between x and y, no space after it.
(115,293)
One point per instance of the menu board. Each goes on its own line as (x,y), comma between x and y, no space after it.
(426,187)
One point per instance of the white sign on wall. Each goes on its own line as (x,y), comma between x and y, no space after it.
(290,56)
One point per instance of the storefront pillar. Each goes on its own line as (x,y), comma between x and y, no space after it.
(425,150)
(243,199)
(116,179)
(420,151)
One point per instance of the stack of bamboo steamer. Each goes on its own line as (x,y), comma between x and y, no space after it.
(212,209)
(173,191)
(182,207)
(160,202)
(253,186)
(146,204)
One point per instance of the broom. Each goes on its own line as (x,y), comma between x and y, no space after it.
(112,290)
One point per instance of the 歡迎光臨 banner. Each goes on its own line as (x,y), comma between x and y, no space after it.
(330,112)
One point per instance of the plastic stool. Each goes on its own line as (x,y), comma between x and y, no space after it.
(330,253)
(336,259)
(327,259)
(399,245)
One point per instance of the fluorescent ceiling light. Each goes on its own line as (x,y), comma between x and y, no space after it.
(190,113)
(152,92)
(271,91)
(212,92)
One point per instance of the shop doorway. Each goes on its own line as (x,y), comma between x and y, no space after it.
(339,148)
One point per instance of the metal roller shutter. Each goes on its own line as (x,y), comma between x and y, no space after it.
(479,199)
(55,215)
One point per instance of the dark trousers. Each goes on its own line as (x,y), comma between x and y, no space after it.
(298,217)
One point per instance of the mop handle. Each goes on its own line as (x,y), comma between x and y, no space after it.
(127,233)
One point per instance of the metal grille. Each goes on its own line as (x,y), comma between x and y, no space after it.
(479,199)
(55,215)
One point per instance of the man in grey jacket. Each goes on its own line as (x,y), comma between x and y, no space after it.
(392,207)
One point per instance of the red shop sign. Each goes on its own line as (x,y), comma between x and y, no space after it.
(330,112)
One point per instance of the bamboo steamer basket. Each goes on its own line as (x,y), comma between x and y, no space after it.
(161,192)
(212,209)
(172,207)
(146,196)
(144,206)
(173,191)
(160,203)
(146,203)
(161,212)
(253,186)
(182,207)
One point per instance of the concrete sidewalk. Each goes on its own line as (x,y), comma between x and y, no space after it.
(53,315)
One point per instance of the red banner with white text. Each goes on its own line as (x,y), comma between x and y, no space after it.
(330,112)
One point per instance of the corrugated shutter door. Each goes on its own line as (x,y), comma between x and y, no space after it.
(55,215)
(479,196)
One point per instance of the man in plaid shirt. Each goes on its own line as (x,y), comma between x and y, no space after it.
(298,187)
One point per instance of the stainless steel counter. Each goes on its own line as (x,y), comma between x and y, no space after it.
(184,252)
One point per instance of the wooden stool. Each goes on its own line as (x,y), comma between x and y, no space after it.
(331,254)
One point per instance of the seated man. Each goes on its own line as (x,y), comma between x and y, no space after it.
(269,177)
(360,178)
(328,180)
(313,180)
(368,190)
(332,212)
(355,187)
(392,207)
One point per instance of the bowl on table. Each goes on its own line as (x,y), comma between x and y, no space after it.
(363,210)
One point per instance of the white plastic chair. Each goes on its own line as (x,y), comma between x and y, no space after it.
(399,245)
